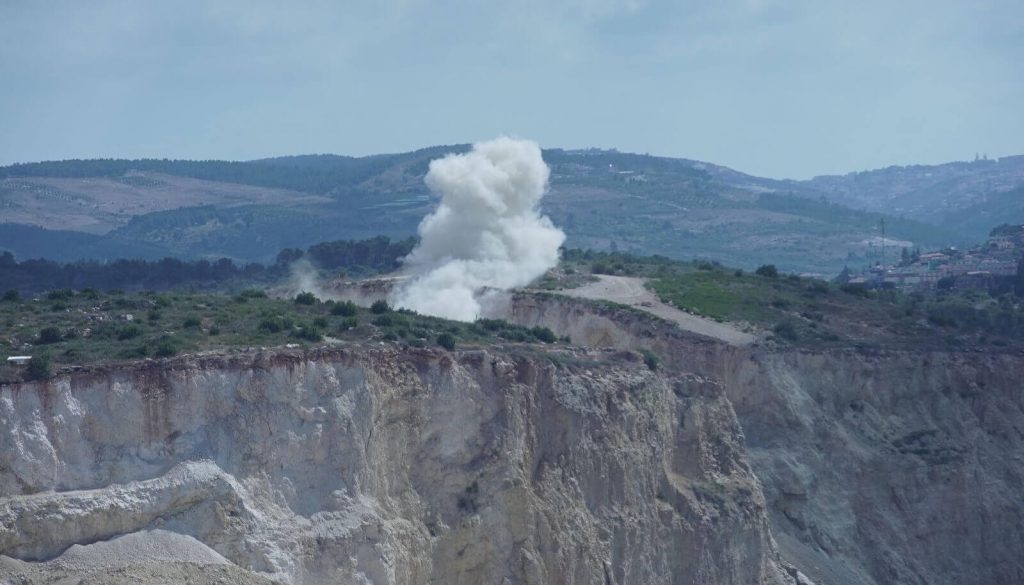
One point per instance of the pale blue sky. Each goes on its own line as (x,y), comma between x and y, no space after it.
(770,87)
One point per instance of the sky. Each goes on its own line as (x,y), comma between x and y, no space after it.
(776,88)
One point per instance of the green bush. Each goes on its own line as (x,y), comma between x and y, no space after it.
(544,334)
(344,309)
(129,332)
(767,270)
(39,367)
(12,296)
(308,334)
(191,322)
(166,346)
(320,322)
(49,335)
(384,321)
(446,340)
(274,324)
(786,330)
(305,298)
(348,323)
(651,359)
(380,307)
(856,289)
(60,294)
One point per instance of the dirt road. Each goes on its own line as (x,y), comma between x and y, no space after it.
(631,291)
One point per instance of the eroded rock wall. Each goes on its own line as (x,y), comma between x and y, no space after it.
(878,467)
(381,465)
(890,467)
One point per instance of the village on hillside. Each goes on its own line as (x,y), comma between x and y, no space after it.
(979,267)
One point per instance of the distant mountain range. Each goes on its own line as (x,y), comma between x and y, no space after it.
(107,208)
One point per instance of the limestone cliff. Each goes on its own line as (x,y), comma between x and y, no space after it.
(516,465)
(878,467)
(383,465)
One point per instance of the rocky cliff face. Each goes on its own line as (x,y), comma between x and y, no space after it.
(379,465)
(877,467)
(898,467)
(519,465)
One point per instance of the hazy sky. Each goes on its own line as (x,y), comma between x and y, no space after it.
(777,88)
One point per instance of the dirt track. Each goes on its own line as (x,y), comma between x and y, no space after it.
(631,291)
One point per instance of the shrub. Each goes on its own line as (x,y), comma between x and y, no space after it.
(308,333)
(786,331)
(39,367)
(544,334)
(446,340)
(89,293)
(214,330)
(390,336)
(191,322)
(379,307)
(856,289)
(129,332)
(383,321)
(12,296)
(320,322)
(166,346)
(650,359)
(305,298)
(344,309)
(348,323)
(492,324)
(271,325)
(49,335)
(767,270)
(59,294)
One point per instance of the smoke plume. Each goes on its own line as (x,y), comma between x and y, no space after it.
(487,232)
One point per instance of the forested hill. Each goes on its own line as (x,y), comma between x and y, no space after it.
(317,173)
(603,199)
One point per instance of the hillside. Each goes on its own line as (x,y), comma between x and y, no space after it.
(962,196)
(653,456)
(602,199)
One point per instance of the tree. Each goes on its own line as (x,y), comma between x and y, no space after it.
(39,368)
(767,270)
(49,335)
(446,340)
(380,306)
(344,309)
(305,298)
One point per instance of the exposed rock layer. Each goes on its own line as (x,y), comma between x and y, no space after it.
(392,466)
(878,467)
(380,465)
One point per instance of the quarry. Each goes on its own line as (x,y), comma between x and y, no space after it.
(518,463)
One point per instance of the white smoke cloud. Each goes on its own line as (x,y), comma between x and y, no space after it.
(487,232)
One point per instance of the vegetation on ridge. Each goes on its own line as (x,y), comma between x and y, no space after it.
(68,327)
